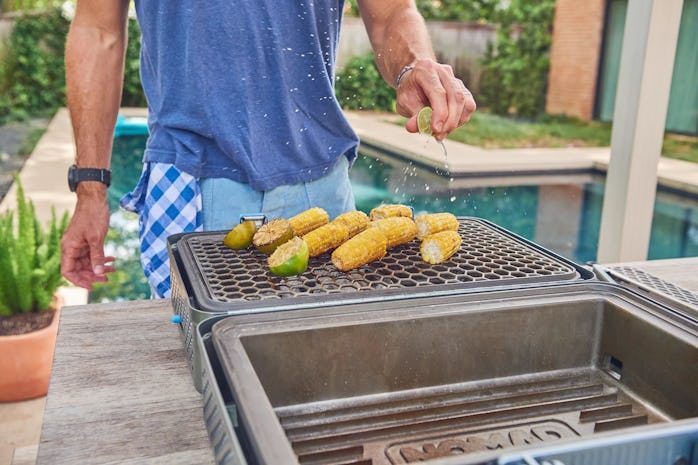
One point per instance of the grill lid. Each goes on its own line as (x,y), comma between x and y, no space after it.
(684,301)
(219,279)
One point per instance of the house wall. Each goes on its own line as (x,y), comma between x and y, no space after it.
(574,57)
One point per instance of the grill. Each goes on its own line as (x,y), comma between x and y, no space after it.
(675,296)
(238,279)
(663,444)
(378,383)
(209,279)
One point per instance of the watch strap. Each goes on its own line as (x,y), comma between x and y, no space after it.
(94,174)
(89,174)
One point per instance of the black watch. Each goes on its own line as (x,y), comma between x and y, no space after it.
(77,175)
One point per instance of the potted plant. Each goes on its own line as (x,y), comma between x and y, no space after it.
(30,274)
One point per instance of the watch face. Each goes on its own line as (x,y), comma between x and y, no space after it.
(72,181)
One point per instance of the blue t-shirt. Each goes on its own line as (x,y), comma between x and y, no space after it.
(244,90)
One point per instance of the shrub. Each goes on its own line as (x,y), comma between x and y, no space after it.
(30,259)
(515,70)
(24,5)
(359,86)
(458,10)
(32,69)
(32,77)
(133,92)
(445,10)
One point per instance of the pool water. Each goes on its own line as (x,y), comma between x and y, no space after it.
(561,213)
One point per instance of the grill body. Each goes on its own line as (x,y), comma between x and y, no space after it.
(410,381)
(662,444)
(208,279)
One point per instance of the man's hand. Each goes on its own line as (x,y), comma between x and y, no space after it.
(432,84)
(399,37)
(82,247)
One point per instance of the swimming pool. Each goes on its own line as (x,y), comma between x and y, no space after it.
(561,213)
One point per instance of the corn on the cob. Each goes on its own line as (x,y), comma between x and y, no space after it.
(397,229)
(439,247)
(435,222)
(363,248)
(386,211)
(306,221)
(355,221)
(324,238)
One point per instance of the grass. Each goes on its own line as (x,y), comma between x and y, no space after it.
(492,131)
(680,147)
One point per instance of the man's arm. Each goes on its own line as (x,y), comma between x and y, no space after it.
(94,58)
(399,38)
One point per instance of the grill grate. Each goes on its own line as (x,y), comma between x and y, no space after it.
(451,420)
(488,256)
(642,278)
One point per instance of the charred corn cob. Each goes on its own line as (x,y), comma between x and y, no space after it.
(363,248)
(386,211)
(306,221)
(397,229)
(435,222)
(439,247)
(355,221)
(324,238)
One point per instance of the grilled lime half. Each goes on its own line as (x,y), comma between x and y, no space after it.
(272,234)
(240,237)
(290,258)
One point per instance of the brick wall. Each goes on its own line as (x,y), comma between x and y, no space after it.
(574,57)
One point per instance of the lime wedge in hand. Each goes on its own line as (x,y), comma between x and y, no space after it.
(424,121)
(424,126)
(290,258)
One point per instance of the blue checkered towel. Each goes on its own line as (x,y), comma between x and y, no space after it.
(168,201)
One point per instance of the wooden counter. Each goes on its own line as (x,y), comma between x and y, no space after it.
(121,391)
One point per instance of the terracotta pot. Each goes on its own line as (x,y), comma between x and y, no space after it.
(25,362)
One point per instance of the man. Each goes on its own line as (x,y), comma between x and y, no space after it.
(242,114)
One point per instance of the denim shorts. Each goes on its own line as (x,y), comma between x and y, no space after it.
(224,200)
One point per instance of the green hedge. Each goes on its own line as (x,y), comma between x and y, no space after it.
(445,10)
(32,69)
(359,86)
(133,92)
(515,70)
(458,10)
(32,78)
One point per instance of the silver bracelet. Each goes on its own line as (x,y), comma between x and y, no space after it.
(402,74)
